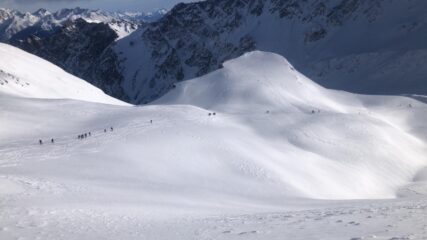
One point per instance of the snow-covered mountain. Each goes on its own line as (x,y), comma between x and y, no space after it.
(360,46)
(233,143)
(254,150)
(18,25)
(142,16)
(25,75)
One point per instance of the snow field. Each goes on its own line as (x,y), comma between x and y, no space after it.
(279,151)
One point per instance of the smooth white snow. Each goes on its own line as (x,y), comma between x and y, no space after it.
(274,162)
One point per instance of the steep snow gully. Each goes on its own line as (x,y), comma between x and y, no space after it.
(233,154)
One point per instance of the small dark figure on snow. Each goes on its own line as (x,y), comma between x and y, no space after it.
(112,129)
(52,140)
(214,114)
(313,112)
(85,135)
(40,142)
(105,130)
(210,114)
(90,134)
(151,121)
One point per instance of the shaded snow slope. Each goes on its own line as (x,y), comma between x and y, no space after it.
(340,141)
(25,75)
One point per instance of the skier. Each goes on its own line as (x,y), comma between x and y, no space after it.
(40,142)
(90,134)
(85,135)
(105,130)
(151,121)
(52,140)
(111,128)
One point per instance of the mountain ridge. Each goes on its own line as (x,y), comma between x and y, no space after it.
(333,42)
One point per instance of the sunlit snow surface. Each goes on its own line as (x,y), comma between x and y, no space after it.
(25,75)
(252,151)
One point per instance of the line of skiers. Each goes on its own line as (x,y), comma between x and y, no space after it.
(81,136)
(84,135)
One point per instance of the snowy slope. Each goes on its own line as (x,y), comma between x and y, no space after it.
(341,124)
(25,75)
(191,175)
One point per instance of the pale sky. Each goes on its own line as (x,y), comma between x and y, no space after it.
(110,5)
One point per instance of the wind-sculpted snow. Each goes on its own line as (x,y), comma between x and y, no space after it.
(325,127)
(25,75)
(254,150)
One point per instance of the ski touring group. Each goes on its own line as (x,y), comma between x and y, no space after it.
(86,135)
(80,136)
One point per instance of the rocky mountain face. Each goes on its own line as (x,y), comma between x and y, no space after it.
(361,46)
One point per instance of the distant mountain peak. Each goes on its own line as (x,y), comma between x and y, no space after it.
(41,12)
